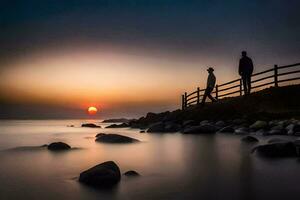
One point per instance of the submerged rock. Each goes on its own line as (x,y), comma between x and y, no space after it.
(249,139)
(280,149)
(105,174)
(58,146)
(131,173)
(114,138)
(90,125)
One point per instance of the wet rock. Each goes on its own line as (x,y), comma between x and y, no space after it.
(227,129)
(277,132)
(104,175)
(220,123)
(123,125)
(58,146)
(277,127)
(131,173)
(280,149)
(276,140)
(142,131)
(260,132)
(241,131)
(189,123)
(239,121)
(172,127)
(290,129)
(249,139)
(156,127)
(90,125)
(115,138)
(100,134)
(206,128)
(259,125)
(204,122)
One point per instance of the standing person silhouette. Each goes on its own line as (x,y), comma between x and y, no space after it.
(211,81)
(245,71)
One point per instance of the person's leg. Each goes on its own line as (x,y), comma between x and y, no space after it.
(244,79)
(204,97)
(211,98)
(249,83)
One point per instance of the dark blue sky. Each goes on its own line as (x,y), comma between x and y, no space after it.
(187,27)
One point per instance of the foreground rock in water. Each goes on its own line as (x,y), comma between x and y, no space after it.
(131,173)
(249,139)
(58,146)
(123,125)
(281,149)
(90,125)
(106,174)
(205,128)
(114,138)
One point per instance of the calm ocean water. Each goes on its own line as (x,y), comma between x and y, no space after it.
(173,166)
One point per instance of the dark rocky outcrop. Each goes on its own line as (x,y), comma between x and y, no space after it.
(58,146)
(249,139)
(90,125)
(201,129)
(156,127)
(123,125)
(104,175)
(131,173)
(114,138)
(280,149)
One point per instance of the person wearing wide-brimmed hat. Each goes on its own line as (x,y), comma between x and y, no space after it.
(211,81)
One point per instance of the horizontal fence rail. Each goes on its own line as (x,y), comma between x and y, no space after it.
(225,89)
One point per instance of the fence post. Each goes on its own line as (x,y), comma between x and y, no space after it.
(185,100)
(182,102)
(275,75)
(198,95)
(217,96)
(241,89)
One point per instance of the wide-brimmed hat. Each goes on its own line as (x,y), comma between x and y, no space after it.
(210,69)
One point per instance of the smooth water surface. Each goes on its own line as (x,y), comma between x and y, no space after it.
(173,166)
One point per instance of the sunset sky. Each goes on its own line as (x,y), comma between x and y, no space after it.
(128,57)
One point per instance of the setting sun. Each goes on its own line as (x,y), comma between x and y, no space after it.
(92,110)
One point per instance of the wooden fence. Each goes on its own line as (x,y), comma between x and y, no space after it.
(225,90)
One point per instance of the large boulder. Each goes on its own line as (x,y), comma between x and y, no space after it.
(280,149)
(58,146)
(259,124)
(105,174)
(114,138)
(156,127)
(249,139)
(206,128)
(90,125)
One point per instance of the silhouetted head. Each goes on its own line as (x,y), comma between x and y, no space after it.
(210,70)
(244,53)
